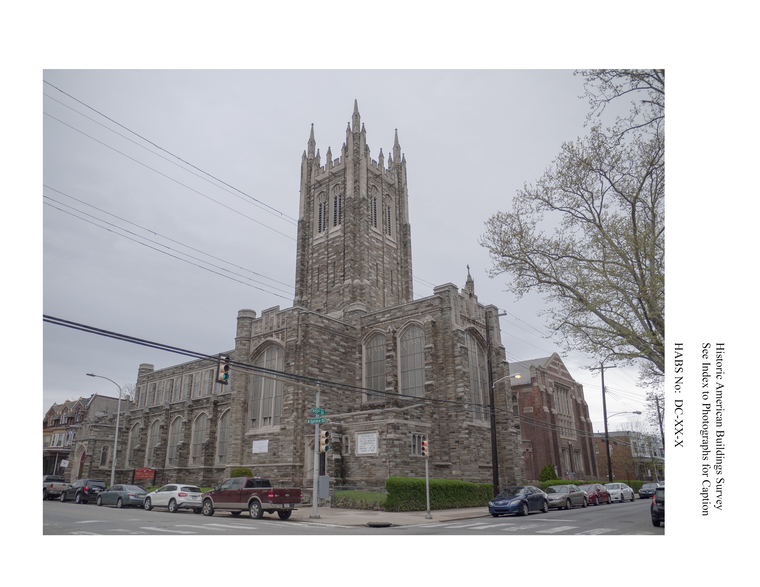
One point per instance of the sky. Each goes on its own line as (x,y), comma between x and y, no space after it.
(170,199)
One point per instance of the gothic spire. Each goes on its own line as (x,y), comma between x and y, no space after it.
(356,119)
(312,142)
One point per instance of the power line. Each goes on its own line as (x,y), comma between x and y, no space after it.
(283,215)
(171,178)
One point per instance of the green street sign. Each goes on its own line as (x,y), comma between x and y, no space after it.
(316,420)
(320,411)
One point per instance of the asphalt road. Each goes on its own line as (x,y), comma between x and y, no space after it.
(72,519)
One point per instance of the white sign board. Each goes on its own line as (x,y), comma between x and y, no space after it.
(366,444)
(64,464)
(260,446)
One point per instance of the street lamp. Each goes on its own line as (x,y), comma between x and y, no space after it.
(494,455)
(606,432)
(116,435)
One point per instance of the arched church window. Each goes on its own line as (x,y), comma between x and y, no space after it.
(175,436)
(200,436)
(150,453)
(224,431)
(478,378)
(337,207)
(374,367)
(412,361)
(266,393)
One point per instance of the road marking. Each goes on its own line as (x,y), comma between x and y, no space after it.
(246,526)
(557,529)
(83,533)
(201,527)
(512,528)
(595,531)
(463,525)
(90,522)
(165,530)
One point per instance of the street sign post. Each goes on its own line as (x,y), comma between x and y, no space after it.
(316,420)
(319,411)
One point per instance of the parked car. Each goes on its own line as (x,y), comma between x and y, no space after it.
(521,499)
(122,496)
(52,486)
(597,493)
(252,494)
(657,508)
(83,490)
(620,492)
(647,490)
(566,496)
(174,496)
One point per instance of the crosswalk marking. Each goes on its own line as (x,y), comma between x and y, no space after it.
(513,528)
(463,525)
(200,527)
(595,531)
(83,533)
(165,530)
(89,522)
(246,526)
(557,529)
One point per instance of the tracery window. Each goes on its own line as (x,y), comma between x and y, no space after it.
(132,444)
(478,378)
(412,356)
(200,436)
(175,435)
(266,392)
(150,453)
(337,206)
(224,430)
(374,367)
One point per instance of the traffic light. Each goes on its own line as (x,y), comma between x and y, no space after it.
(223,373)
(425,448)
(324,441)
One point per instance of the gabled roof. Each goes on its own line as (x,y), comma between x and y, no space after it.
(523,367)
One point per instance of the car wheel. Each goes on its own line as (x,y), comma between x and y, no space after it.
(63,497)
(545,509)
(208,508)
(567,504)
(585,502)
(172,506)
(524,511)
(119,503)
(254,510)
(285,514)
(99,501)
(147,504)
(78,498)
(655,522)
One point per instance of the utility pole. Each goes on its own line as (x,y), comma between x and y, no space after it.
(606,431)
(315,473)
(494,455)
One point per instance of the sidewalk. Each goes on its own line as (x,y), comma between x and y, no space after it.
(347,517)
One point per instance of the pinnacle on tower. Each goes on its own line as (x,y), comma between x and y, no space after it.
(312,142)
(356,119)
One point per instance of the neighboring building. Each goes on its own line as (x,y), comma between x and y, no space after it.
(58,429)
(93,437)
(393,370)
(633,456)
(554,420)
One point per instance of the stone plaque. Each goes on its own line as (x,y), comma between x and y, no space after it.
(366,444)
(260,446)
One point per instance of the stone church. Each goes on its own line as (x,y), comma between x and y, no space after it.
(392,371)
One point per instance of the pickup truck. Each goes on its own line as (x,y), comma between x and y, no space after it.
(53,486)
(254,494)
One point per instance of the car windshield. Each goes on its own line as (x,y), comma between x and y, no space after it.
(512,491)
(588,487)
(612,486)
(134,489)
(649,485)
(557,489)
(191,489)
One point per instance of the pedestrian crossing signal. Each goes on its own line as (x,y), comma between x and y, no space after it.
(324,441)
(425,448)
(223,373)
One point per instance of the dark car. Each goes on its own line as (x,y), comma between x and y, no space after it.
(647,490)
(597,493)
(520,499)
(122,496)
(658,506)
(83,490)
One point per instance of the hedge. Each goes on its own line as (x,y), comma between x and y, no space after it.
(241,472)
(408,494)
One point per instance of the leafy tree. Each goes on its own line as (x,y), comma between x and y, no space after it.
(602,268)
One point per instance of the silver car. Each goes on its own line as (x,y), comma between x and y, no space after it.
(619,492)
(566,496)
(175,496)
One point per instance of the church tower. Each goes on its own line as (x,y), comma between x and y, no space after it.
(354,238)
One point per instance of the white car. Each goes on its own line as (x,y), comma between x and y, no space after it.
(175,496)
(619,492)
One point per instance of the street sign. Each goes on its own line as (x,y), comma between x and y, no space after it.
(320,411)
(316,421)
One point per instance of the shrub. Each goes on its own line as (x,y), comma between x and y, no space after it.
(547,473)
(241,472)
(408,494)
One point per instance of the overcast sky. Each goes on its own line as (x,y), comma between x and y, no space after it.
(142,236)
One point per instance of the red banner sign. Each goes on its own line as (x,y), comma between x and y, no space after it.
(145,473)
